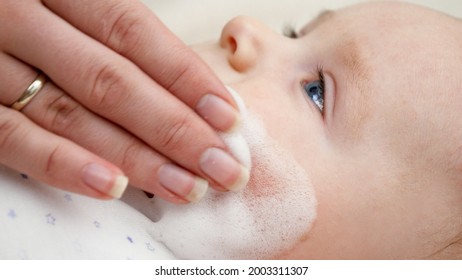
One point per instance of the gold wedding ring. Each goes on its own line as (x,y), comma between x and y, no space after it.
(30,92)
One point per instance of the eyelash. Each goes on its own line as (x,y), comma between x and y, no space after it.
(290,32)
(320,74)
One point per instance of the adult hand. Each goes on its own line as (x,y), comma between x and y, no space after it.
(124,96)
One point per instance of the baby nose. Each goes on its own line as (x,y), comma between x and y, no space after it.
(244,38)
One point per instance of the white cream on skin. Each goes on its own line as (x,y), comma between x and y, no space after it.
(266,218)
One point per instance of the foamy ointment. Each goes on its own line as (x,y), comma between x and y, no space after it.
(269,216)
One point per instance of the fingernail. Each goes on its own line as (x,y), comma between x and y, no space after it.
(224,169)
(104,180)
(218,113)
(182,183)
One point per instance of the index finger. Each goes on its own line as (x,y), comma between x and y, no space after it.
(131,29)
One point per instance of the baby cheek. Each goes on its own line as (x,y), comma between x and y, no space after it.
(263,180)
(280,196)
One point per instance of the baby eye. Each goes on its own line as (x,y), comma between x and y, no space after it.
(315,91)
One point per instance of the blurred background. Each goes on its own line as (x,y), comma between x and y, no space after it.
(202,20)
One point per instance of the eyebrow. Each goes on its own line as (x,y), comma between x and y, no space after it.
(323,16)
(359,73)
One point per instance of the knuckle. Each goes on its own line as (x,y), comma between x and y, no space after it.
(177,77)
(184,69)
(126,27)
(181,62)
(63,114)
(172,134)
(9,129)
(53,162)
(130,156)
(109,88)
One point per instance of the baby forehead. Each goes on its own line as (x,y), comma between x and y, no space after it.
(392,33)
(394,19)
(394,51)
(386,12)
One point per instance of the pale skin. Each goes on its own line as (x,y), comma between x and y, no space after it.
(385,155)
(124,98)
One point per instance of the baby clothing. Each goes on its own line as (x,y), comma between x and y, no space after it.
(41,222)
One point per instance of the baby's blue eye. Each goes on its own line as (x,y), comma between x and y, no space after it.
(315,91)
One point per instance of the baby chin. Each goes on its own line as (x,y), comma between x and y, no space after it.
(265,219)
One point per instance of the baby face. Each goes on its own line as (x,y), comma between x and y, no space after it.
(367,100)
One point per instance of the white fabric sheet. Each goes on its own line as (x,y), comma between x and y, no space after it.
(39,222)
